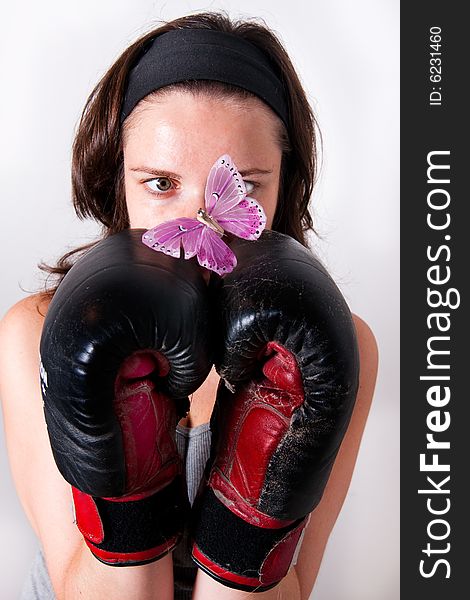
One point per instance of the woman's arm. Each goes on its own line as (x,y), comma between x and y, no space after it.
(207,588)
(44,494)
(324,516)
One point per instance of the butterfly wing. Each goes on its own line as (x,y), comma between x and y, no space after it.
(247,220)
(169,236)
(224,186)
(228,204)
(197,240)
(214,254)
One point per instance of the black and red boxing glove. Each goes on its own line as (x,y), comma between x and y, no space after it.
(124,342)
(288,352)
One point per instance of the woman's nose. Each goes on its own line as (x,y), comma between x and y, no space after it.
(193,199)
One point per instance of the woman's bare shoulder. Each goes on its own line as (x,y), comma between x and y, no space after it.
(27,316)
(35,305)
(369,364)
(20,333)
(366,339)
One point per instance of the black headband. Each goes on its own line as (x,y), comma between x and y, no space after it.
(182,54)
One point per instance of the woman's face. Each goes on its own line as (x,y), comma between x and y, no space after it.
(173,141)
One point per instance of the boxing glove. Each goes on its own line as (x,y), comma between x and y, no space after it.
(288,360)
(124,342)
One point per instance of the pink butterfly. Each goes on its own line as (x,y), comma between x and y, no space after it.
(227,208)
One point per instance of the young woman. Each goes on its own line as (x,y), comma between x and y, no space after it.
(137,172)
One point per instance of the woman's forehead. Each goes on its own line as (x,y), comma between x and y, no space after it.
(184,124)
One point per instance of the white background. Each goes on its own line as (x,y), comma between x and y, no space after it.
(347,54)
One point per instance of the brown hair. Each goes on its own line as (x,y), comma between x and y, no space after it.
(97,156)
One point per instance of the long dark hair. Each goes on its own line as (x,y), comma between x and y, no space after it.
(97,156)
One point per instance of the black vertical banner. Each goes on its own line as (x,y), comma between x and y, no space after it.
(435,256)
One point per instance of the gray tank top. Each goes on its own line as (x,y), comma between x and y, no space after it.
(194,447)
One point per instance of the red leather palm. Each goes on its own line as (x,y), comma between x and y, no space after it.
(251,424)
(148,421)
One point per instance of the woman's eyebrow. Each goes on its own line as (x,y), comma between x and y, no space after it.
(246,172)
(165,173)
(153,171)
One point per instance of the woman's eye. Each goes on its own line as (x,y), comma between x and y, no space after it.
(162,184)
(250,186)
